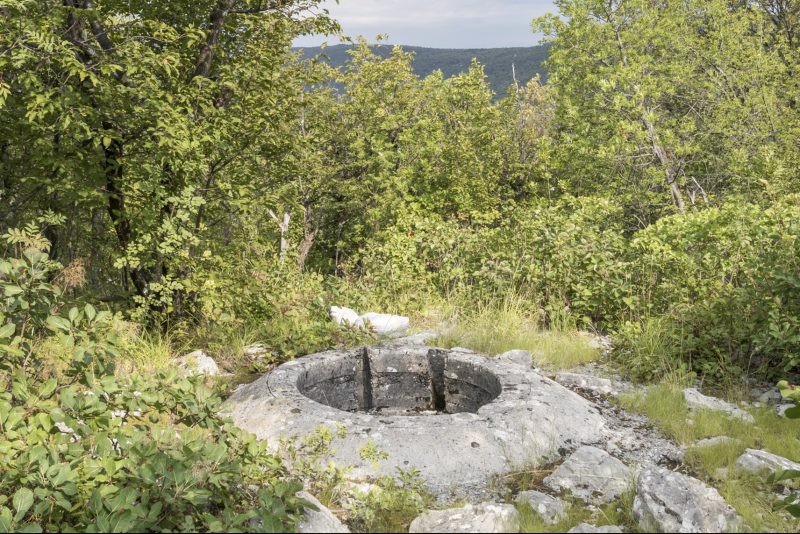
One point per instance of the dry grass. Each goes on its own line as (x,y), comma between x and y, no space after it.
(501,325)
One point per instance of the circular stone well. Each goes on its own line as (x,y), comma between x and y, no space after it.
(399,383)
(458,417)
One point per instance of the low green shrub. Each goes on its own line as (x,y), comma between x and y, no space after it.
(82,449)
(391,504)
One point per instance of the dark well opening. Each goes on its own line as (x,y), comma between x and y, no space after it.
(399,382)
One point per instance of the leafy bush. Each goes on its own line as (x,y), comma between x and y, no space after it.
(726,278)
(81,449)
(791,503)
(391,504)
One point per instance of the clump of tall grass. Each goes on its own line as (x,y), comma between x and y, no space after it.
(498,324)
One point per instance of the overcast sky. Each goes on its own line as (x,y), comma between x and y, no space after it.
(438,23)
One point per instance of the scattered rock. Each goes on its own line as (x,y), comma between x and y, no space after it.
(484,517)
(551,509)
(591,475)
(712,442)
(595,384)
(518,356)
(256,352)
(756,460)
(344,316)
(586,527)
(697,401)
(672,502)
(198,363)
(318,521)
(385,324)
(770,396)
(602,343)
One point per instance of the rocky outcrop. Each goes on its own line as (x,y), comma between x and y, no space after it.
(594,384)
(517,356)
(460,418)
(550,509)
(697,401)
(591,475)
(672,502)
(321,520)
(756,460)
(484,517)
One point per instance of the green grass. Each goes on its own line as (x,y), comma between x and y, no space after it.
(500,325)
(746,492)
(617,512)
(145,352)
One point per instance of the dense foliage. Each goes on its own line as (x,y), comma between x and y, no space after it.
(84,450)
(196,176)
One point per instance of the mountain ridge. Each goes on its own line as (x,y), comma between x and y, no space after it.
(497,62)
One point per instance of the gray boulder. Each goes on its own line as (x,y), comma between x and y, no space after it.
(756,460)
(518,356)
(697,401)
(591,475)
(672,502)
(550,509)
(198,363)
(781,409)
(319,521)
(256,352)
(586,527)
(484,517)
(769,396)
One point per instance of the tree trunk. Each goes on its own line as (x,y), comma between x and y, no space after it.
(310,229)
(667,162)
(283,226)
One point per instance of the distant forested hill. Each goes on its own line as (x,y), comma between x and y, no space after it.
(497,61)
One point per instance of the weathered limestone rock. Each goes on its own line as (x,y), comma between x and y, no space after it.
(591,475)
(256,352)
(460,418)
(550,509)
(595,341)
(517,356)
(672,502)
(319,521)
(595,384)
(756,460)
(770,396)
(586,527)
(342,315)
(198,363)
(697,401)
(484,517)
(385,324)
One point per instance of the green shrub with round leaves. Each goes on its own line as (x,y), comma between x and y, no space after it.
(84,450)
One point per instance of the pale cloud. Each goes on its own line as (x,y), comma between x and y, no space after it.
(438,23)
